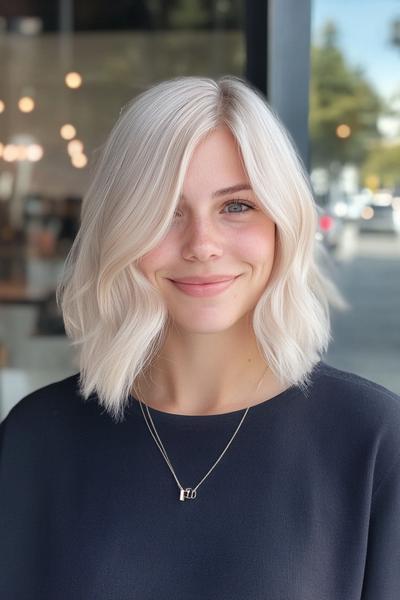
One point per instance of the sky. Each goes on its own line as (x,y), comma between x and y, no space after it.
(364,36)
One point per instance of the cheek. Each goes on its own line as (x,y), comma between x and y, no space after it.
(154,260)
(256,244)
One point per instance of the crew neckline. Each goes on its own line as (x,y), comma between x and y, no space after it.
(293,390)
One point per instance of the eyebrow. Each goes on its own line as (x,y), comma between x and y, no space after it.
(229,190)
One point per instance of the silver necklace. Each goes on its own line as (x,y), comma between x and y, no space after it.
(190,493)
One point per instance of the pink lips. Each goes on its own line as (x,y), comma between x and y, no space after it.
(202,290)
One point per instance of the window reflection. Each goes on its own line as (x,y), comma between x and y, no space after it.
(66,72)
(355,170)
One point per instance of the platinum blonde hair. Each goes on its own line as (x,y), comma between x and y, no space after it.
(112,313)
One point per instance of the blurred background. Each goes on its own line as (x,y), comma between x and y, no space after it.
(330,68)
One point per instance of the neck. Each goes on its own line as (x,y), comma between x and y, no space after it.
(200,374)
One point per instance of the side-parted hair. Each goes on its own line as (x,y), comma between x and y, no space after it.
(112,313)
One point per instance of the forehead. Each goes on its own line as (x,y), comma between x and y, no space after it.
(215,164)
(219,142)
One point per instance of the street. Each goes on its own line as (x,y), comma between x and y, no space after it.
(366,339)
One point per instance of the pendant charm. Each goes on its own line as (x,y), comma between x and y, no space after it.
(187,494)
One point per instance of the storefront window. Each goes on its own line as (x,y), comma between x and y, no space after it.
(67,68)
(355,169)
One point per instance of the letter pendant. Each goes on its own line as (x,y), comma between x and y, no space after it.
(187,494)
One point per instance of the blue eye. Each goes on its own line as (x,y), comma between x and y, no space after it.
(239,203)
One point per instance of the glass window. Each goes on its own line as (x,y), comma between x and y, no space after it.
(355,169)
(66,71)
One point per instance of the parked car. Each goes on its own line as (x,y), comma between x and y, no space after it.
(380,216)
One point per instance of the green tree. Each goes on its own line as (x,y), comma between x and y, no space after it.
(383,162)
(339,95)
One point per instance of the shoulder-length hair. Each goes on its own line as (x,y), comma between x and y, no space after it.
(112,313)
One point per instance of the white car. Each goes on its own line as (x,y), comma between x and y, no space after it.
(380,217)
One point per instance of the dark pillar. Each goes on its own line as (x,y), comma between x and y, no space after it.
(278,61)
(256,43)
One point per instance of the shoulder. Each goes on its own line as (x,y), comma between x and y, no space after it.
(352,391)
(48,425)
(52,403)
(365,414)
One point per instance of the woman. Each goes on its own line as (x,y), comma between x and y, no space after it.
(204,449)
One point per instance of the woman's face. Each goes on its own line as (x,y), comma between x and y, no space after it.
(214,233)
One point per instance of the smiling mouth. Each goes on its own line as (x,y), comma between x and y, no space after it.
(203,289)
(201,281)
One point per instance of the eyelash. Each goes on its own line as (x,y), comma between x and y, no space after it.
(238,201)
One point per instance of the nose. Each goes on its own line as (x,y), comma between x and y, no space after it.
(202,241)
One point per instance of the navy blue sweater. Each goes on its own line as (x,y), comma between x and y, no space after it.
(304,505)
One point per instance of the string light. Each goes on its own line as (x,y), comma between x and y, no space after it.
(2,106)
(79,161)
(68,131)
(73,80)
(26,104)
(10,152)
(21,152)
(34,152)
(75,147)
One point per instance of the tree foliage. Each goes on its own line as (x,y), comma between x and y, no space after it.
(384,163)
(339,94)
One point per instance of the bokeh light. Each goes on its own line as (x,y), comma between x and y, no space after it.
(68,131)
(34,152)
(22,152)
(26,104)
(367,212)
(343,131)
(73,80)
(75,147)
(79,160)
(10,152)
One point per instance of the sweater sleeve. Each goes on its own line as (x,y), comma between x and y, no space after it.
(382,568)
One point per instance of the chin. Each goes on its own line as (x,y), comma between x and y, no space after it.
(196,324)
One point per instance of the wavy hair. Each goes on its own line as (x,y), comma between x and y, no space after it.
(112,314)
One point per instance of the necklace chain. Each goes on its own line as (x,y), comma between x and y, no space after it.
(189,493)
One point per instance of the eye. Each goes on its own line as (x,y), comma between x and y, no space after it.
(236,203)
(239,203)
